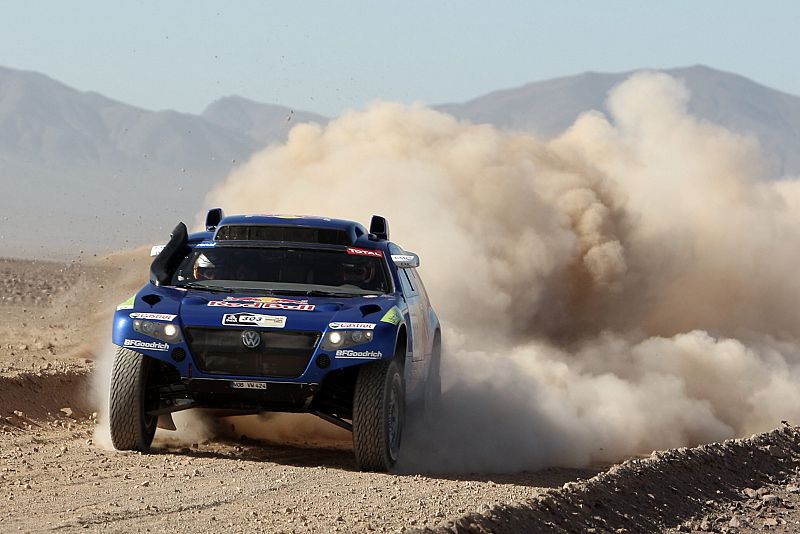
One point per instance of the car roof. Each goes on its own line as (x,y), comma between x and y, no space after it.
(358,234)
(292,220)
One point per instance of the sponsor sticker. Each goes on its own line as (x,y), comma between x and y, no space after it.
(365,252)
(206,244)
(254,319)
(248,385)
(393,316)
(153,316)
(403,260)
(267,299)
(148,345)
(262,305)
(371,354)
(352,326)
(128,304)
(269,303)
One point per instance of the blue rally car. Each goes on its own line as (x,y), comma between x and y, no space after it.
(282,314)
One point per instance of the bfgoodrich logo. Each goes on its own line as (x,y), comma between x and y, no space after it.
(371,354)
(148,345)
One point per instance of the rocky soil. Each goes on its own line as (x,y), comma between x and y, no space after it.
(740,485)
(297,475)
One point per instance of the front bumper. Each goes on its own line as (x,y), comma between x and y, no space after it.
(274,397)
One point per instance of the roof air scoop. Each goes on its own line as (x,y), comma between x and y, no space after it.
(168,260)
(213,218)
(379,227)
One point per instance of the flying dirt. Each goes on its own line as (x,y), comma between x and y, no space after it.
(625,287)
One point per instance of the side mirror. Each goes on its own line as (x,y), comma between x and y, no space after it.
(213,217)
(379,227)
(407,260)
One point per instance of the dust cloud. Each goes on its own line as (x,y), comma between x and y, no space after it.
(627,286)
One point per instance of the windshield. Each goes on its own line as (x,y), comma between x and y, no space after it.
(300,271)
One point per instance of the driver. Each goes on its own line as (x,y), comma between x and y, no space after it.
(357,274)
(205,269)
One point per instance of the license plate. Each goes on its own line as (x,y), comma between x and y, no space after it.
(248,385)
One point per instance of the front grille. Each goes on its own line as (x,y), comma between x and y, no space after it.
(283,354)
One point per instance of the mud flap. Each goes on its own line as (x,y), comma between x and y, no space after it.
(165,421)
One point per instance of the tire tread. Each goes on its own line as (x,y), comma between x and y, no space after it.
(369,426)
(126,390)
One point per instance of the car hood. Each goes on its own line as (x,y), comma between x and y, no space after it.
(201,308)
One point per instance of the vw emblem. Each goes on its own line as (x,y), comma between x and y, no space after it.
(251,339)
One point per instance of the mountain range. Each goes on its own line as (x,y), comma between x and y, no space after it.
(81,173)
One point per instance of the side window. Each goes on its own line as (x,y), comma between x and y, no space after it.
(408,283)
(417,283)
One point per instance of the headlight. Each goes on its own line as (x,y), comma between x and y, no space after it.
(341,339)
(164,331)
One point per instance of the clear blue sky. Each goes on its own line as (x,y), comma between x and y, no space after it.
(325,56)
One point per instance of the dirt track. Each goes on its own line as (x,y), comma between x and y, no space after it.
(54,476)
(57,477)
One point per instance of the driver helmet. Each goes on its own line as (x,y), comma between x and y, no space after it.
(357,273)
(205,269)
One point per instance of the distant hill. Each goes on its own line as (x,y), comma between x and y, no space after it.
(80,171)
(70,159)
(547,108)
(261,123)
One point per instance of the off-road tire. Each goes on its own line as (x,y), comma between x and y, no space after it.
(379,398)
(131,428)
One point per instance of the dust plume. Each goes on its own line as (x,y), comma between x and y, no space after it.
(629,285)
(297,429)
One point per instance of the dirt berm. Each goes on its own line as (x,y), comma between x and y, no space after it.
(682,488)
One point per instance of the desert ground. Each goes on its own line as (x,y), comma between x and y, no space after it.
(58,473)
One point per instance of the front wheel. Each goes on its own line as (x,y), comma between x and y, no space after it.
(378,414)
(132,428)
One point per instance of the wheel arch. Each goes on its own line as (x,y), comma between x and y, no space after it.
(401,341)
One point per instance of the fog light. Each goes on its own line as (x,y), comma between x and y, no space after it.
(178,354)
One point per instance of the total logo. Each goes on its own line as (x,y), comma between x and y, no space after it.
(271,303)
(147,345)
(254,319)
(371,354)
(365,252)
